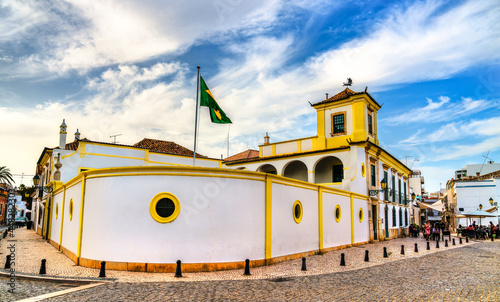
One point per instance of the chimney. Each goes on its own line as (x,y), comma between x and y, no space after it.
(77,135)
(326,95)
(477,173)
(62,135)
(266,139)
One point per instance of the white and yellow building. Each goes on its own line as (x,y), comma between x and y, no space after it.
(143,207)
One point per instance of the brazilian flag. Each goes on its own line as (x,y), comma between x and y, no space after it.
(207,99)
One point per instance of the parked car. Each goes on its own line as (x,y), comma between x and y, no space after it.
(21,221)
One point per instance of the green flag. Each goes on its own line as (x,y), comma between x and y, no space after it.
(207,99)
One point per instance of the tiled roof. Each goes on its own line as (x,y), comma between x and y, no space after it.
(154,145)
(344,94)
(254,159)
(160,146)
(243,155)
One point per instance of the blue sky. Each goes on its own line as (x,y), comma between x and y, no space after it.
(129,67)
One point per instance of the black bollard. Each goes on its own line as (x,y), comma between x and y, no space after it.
(4,234)
(385,253)
(466,239)
(453,241)
(402,249)
(7,262)
(102,272)
(304,268)
(446,243)
(247,267)
(460,240)
(178,271)
(416,248)
(428,245)
(342,260)
(367,259)
(43,269)
(437,244)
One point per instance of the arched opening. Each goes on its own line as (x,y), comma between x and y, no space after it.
(328,170)
(296,170)
(267,168)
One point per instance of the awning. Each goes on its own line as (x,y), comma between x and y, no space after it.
(434,218)
(438,205)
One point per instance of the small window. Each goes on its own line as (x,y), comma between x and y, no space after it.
(297,211)
(373,176)
(164,207)
(363,172)
(370,123)
(338,124)
(401,217)
(337,173)
(71,209)
(461,209)
(360,214)
(393,216)
(338,213)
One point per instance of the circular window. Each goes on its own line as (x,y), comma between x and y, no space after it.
(57,209)
(297,211)
(363,170)
(360,214)
(71,209)
(164,207)
(338,213)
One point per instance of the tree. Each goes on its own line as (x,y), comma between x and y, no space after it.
(6,176)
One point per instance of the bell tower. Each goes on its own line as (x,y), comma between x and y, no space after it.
(62,135)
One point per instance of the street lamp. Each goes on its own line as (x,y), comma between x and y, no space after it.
(494,204)
(36,180)
(383,184)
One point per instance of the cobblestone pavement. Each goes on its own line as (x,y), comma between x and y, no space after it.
(467,273)
(31,249)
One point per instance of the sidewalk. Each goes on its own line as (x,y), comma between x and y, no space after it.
(31,249)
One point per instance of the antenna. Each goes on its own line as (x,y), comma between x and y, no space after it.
(485,158)
(114,136)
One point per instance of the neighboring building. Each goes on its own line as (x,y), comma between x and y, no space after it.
(472,193)
(416,183)
(474,170)
(317,194)
(4,199)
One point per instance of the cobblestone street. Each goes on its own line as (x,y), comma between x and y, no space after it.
(468,273)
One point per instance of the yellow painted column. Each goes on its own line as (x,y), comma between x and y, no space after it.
(352,219)
(80,229)
(359,121)
(51,201)
(62,216)
(269,221)
(320,140)
(320,217)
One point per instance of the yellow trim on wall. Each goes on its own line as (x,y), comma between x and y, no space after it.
(320,217)
(80,229)
(154,212)
(273,149)
(62,215)
(339,216)
(298,204)
(269,217)
(57,210)
(299,145)
(352,219)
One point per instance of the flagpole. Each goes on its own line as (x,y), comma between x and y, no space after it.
(196,114)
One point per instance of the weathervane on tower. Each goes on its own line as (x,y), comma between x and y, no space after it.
(349,82)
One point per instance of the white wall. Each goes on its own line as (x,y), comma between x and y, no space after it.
(288,237)
(71,227)
(336,233)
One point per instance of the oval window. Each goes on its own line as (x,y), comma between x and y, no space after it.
(363,170)
(297,211)
(164,207)
(71,209)
(360,214)
(57,209)
(338,213)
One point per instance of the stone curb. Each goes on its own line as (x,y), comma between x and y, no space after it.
(56,279)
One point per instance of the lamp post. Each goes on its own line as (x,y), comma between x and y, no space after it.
(383,184)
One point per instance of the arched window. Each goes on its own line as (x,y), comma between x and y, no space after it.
(400,217)
(296,170)
(393,216)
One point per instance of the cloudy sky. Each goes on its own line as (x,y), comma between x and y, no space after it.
(129,67)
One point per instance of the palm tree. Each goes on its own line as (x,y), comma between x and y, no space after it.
(6,176)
